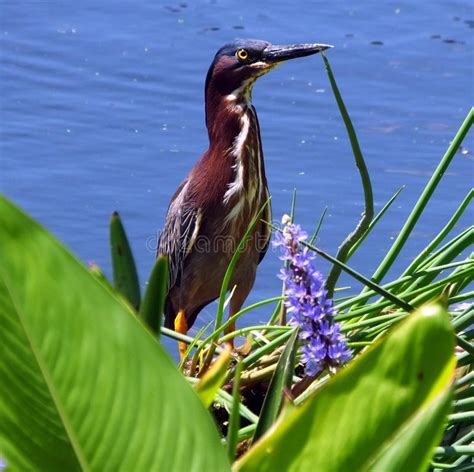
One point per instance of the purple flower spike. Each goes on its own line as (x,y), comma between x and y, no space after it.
(322,344)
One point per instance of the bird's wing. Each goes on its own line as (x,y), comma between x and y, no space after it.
(266,231)
(179,233)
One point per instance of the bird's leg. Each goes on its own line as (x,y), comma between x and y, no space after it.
(181,326)
(235,305)
(230,329)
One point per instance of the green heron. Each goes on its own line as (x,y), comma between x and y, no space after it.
(214,205)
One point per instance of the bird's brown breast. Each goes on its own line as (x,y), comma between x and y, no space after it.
(229,187)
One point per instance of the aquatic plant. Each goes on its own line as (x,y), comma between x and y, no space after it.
(311,311)
(87,384)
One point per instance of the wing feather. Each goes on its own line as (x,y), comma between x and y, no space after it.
(265,228)
(179,234)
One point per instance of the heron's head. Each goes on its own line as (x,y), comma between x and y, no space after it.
(237,65)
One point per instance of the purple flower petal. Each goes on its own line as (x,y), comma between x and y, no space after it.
(323,345)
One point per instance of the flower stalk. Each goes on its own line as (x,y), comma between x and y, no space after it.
(323,346)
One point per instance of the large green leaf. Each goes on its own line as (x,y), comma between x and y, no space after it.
(83,383)
(385,411)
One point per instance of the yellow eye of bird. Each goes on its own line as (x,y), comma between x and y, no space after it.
(242,54)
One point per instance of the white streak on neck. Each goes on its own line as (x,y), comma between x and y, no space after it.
(236,209)
(237,149)
(240,97)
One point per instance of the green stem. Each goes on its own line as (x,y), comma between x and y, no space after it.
(282,308)
(258,376)
(227,277)
(234,420)
(368,214)
(318,227)
(454,450)
(465,392)
(244,433)
(420,205)
(467,346)
(461,417)
(464,319)
(468,378)
(250,329)
(375,221)
(467,438)
(461,297)
(447,256)
(232,264)
(368,322)
(396,283)
(441,235)
(416,297)
(224,398)
(231,320)
(180,337)
(375,287)
(446,247)
(191,346)
(462,404)
(255,355)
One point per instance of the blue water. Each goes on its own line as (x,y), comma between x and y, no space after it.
(102,110)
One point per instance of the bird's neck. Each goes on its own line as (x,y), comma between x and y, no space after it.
(235,145)
(226,115)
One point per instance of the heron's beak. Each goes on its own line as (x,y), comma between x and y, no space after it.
(276,53)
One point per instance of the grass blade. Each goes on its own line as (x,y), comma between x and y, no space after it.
(124,269)
(281,378)
(420,205)
(464,319)
(446,247)
(368,214)
(369,283)
(228,275)
(318,227)
(441,235)
(447,256)
(234,420)
(395,284)
(195,342)
(232,264)
(293,206)
(152,307)
(375,221)
(215,334)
